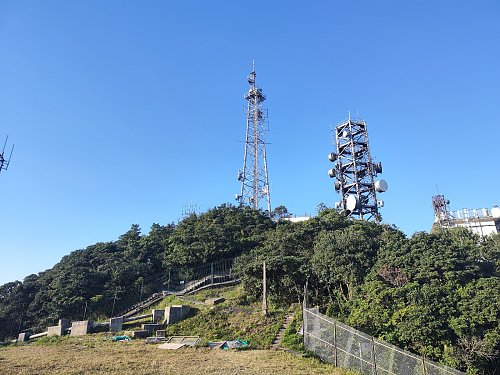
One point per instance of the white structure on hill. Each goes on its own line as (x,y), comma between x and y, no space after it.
(480,221)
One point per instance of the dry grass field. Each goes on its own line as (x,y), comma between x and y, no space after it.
(97,354)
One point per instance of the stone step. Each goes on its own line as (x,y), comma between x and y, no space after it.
(137,334)
(152,326)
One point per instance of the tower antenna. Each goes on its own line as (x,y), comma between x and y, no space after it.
(355,172)
(254,177)
(4,163)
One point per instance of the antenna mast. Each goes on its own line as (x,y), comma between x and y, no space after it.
(254,176)
(4,163)
(355,172)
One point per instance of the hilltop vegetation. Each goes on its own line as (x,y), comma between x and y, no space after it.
(436,294)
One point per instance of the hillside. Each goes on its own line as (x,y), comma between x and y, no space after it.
(435,294)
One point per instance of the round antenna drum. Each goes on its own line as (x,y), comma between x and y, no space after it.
(381,186)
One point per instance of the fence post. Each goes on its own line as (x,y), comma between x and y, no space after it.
(335,341)
(423,366)
(212,272)
(373,357)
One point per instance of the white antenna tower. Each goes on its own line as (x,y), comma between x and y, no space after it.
(254,176)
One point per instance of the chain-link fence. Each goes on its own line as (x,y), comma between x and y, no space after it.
(348,348)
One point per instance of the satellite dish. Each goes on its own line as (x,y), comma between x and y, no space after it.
(332,156)
(337,185)
(346,134)
(352,202)
(381,186)
(331,173)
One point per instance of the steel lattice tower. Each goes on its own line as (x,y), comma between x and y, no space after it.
(254,176)
(355,172)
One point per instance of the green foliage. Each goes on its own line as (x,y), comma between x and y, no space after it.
(436,294)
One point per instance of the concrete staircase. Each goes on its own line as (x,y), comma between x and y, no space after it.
(286,322)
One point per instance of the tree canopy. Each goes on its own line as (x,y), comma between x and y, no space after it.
(437,294)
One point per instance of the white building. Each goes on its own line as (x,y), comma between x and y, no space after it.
(482,222)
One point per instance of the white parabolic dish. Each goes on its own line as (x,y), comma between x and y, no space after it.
(351,202)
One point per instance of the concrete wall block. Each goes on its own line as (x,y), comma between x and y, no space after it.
(158,315)
(55,331)
(64,323)
(116,324)
(81,328)
(23,337)
(176,313)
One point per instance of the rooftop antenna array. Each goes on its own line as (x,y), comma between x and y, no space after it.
(441,208)
(190,209)
(254,175)
(355,172)
(4,163)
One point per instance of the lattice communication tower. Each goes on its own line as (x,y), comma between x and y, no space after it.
(4,163)
(355,172)
(254,175)
(441,208)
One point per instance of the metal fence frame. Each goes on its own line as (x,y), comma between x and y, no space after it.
(186,279)
(348,348)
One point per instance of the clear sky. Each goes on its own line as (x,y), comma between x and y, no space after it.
(125,112)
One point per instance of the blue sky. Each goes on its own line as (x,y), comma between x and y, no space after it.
(125,112)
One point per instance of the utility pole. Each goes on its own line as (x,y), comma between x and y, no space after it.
(264,290)
(142,287)
(114,300)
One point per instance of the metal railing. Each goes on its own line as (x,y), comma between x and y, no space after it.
(348,348)
(185,280)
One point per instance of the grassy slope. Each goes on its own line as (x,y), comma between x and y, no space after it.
(97,354)
(236,318)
